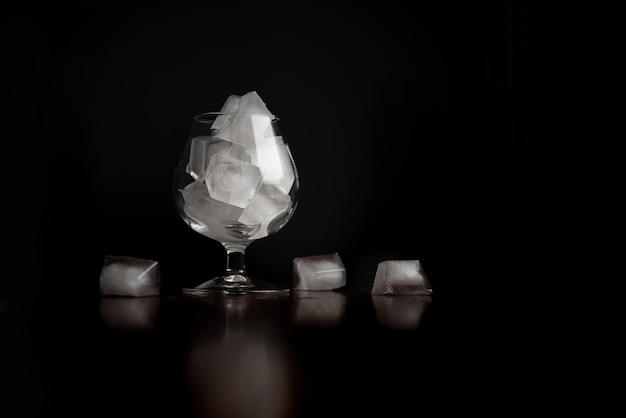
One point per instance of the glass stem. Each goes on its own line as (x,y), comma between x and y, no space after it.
(235,259)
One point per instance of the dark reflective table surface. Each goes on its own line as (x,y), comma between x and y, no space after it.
(307,354)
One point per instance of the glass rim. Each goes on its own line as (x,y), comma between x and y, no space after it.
(212,115)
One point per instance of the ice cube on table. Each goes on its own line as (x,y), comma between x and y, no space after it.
(400,277)
(129,276)
(319,272)
(315,308)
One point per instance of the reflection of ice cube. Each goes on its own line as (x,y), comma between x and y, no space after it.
(231,181)
(129,276)
(198,156)
(314,308)
(273,158)
(318,272)
(267,202)
(403,312)
(130,313)
(400,277)
(200,207)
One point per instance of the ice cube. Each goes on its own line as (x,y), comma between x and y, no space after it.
(403,312)
(248,120)
(252,104)
(230,107)
(319,272)
(315,308)
(227,150)
(129,276)
(267,202)
(202,208)
(202,147)
(273,158)
(198,156)
(232,181)
(245,129)
(400,277)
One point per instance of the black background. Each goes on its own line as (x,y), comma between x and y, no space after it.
(417,132)
(420,131)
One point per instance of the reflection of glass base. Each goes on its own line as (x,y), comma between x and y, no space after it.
(234,284)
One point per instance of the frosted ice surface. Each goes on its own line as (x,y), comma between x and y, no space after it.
(250,119)
(129,276)
(267,202)
(232,181)
(201,207)
(230,106)
(318,272)
(251,103)
(245,129)
(204,146)
(266,156)
(400,277)
(226,151)
(246,170)
(273,158)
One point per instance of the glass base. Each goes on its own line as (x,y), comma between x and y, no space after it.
(234,284)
